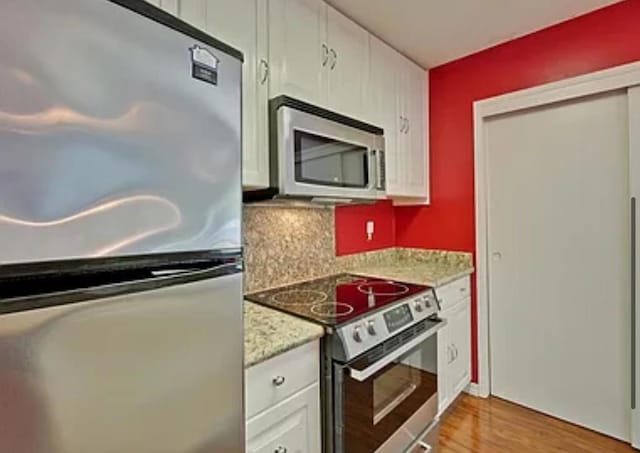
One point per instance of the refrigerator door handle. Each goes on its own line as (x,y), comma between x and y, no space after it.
(633,304)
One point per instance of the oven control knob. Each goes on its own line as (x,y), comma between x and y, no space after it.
(427,302)
(357,334)
(418,306)
(371,327)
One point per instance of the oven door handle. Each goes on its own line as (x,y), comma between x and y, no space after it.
(363,375)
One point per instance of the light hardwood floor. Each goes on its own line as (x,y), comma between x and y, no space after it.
(492,425)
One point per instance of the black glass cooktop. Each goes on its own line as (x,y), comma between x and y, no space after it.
(336,299)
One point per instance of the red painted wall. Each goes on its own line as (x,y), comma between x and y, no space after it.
(351,228)
(601,39)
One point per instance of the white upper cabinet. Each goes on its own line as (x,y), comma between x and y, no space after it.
(243,25)
(318,55)
(170,6)
(298,50)
(381,102)
(347,69)
(193,12)
(411,155)
(417,124)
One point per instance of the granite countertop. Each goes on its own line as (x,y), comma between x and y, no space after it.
(431,268)
(421,274)
(268,332)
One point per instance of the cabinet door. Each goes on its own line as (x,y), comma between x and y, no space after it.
(298,49)
(170,6)
(382,103)
(416,113)
(238,23)
(194,12)
(293,426)
(347,70)
(445,358)
(403,99)
(460,342)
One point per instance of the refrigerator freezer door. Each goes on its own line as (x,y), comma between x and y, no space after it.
(118,135)
(159,371)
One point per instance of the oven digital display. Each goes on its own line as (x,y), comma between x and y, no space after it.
(398,317)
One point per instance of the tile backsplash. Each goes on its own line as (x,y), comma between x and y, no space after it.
(283,245)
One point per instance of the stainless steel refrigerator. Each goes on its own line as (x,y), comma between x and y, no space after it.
(120,232)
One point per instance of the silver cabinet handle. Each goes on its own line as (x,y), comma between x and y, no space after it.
(334,54)
(325,55)
(633,304)
(265,71)
(425,446)
(281,450)
(402,124)
(278,381)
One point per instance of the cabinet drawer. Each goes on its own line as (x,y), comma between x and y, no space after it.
(429,440)
(292,426)
(450,294)
(280,377)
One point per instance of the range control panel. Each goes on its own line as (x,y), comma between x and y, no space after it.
(363,334)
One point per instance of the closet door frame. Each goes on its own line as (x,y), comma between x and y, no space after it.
(620,77)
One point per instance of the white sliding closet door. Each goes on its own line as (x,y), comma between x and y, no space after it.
(559,274)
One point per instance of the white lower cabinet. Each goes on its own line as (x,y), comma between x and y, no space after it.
(292,426)
(454,343)
(283,403)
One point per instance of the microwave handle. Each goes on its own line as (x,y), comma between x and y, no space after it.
(380,169)
(363,375)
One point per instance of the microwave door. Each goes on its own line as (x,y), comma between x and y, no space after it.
(328,162)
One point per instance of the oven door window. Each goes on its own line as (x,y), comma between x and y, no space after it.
(376,407)
(323,161)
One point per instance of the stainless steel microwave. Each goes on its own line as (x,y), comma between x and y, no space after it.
(323,156)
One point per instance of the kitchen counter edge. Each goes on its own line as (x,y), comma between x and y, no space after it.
(269,333)
(421,274)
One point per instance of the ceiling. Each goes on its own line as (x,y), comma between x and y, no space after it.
(433,32)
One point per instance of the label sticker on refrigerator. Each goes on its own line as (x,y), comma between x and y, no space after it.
(204,65)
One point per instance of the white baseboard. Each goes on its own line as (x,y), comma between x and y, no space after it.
(473,389)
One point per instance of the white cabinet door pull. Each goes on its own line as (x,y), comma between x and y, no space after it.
(265,71)
(325,55)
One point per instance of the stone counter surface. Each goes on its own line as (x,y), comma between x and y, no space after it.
(268,333)
(423,267)
(442,268)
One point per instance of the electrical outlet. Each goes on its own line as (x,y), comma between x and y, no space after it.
(370,229)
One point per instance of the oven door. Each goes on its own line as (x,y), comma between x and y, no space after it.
(319,157)
(387,397)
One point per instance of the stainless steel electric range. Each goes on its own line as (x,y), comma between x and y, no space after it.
(380,383)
